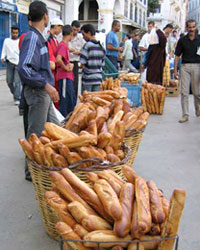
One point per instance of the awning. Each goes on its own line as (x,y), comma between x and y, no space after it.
(8,7)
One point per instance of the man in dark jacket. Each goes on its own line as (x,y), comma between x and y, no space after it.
(35,73)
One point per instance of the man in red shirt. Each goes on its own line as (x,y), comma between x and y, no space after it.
(64,74)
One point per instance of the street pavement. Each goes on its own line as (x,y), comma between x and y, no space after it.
(169,154)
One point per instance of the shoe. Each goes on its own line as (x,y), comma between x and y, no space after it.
(198,112)
(21,112)
(16,102)
(28,177)
(184,119)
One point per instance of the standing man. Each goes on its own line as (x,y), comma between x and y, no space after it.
(112,43)
(55,30)
(10,54)
(35,73)
(189,48)
(92,59)
(75,46)
(135,41)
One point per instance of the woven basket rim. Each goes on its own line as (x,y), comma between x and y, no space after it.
(101,165)
(131,132)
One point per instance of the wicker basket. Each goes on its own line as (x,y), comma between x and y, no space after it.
(42,183)
(133,139)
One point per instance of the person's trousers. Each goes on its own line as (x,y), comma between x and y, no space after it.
(113,60)
(75,71)
(67,96)
(40,110)
(129,66)
(13,80)
(90,87)
(190,72)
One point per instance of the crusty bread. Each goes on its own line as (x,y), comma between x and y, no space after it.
(105,235)
(158,215)
(81,231)
(27,148)
(93,222)
(59,160)
(85,192)
(78,211)
(129,173)
(122,227)
(108,198)
(67,233)
(66,190)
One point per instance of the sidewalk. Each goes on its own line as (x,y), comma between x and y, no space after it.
(169,154)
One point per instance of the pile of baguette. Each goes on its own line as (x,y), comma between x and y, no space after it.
(113,209)
(153,98)
(131,78)
(110,84)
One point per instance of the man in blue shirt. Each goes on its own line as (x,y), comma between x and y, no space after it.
(112,43)
(35,73)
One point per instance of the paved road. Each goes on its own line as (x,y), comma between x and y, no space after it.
(169,154)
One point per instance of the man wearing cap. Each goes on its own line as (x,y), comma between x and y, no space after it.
(55,30)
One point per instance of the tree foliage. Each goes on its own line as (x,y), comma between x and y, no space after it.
(153,5)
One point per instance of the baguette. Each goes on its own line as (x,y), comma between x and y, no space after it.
(93,222)
(118,135)
(78,211)
(38,149)
(81,231)
(105,235)
(56,132)
(122,227)
(117,178)
(165,203)
(102,153)
(136,246)
(162,102)
(129,173)
(85,192)
(104,139)
(158,215)
(60,207)
(92,177)
(46,156)
(120,154)
(67,191)
(144,220)
(108,198)
(99,101)
(66,232)
(44,133)
(80,121)
(63,150)
(27,148)
(113,158)
(44,140)
(92,128)
(109,149)
(74,114)
(172,221)
(73,157)
(143,99)
(106,176)
(155,99)
(32,138)
(155,229)
(117,117)
(59,160)
(151,242)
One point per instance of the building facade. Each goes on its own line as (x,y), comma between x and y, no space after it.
(170,11)
(100,13)
(194,11)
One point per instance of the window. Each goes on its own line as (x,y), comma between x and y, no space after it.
(144,19)
(131,11)
(140,17)
(126,8)
(145,2)
(136,14)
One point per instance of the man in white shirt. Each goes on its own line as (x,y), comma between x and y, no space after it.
(75,46)
(10,54)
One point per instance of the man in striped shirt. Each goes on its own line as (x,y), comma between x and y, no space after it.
(92,60)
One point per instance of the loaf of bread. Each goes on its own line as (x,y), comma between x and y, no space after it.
(67,233)
(92,177)
(165,203)
(47,156)
(122,227)
(117,117)
(85,192)
(73,157)
(27,148)
(56,132)
(172,221)
(155,229)
(102,153)
(110,179)
(80,121)
(66,190)
(92,128)
(60,207)
(129,173)
(117,178)
(113,158)
(108,198)
(105,235)
(157,213)
(38,149)
(144,219)
(81,231)
(44,140)
(93,223)
(59,160)
(78,211)
(77,109)
(33,138)
(136,246)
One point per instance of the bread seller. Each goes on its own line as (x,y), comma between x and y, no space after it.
(35,73)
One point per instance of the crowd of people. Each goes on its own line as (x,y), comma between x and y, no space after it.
(43,72)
